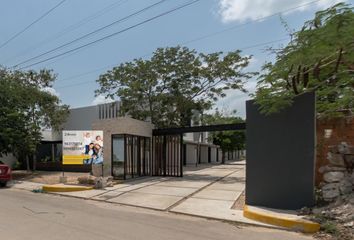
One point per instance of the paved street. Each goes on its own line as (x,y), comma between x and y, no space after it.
(208,191)
(211,191)
(26,215)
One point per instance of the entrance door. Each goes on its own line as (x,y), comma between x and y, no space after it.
(118,157)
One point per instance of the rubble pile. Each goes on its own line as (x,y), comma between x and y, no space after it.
(336,190)
(338,175)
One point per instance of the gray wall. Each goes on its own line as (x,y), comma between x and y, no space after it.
(81,118)
(281,155)
(213,154)
(203,154)
(191,154)
(219,155)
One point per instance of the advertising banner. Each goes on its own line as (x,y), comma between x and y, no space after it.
(83,147)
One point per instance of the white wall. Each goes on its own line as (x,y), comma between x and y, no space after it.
(188,137)
(8,159)
(191,154)
(203,154)
(51,135)
(213,154)
(220,155)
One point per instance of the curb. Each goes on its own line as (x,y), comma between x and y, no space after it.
(239,222)
(302,225)
(64,188)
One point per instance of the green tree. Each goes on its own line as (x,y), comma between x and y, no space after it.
(27,108)
(175,81)
(319,58)
(12,119)
(227,140)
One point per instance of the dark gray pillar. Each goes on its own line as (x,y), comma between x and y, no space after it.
(281,155)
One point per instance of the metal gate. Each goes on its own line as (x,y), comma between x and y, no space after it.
(130,156)
(167,152)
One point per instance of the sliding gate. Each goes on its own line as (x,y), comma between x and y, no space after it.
(167,152)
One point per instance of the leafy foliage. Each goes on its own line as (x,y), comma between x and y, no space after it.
(319,58)
(227,140)
(175,81)
(26,108)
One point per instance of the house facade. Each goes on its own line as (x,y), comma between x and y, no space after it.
(128,144)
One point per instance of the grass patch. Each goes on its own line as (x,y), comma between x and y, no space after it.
(329,227)
(38,190)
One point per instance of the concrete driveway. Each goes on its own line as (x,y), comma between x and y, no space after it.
(167,193)
(206,191)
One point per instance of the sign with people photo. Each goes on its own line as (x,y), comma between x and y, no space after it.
(82,147)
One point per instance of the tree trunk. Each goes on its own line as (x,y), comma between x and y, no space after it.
(222,157)
(34,166)
(53,152)
(152,115)
(28,164)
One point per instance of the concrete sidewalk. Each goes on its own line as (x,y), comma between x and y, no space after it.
(25,185)
(216,200)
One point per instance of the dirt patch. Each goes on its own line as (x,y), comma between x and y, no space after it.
(336,219)
(239,204)
(46,177)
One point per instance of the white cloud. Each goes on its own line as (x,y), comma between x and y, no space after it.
(253,65)
(51,91)
(236,100)
(100,99)
(242,10)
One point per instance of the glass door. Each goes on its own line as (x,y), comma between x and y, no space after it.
(118,157)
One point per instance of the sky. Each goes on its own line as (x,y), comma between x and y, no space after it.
(214,25)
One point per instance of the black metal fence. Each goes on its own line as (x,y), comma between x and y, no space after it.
(167,155)
(137,156)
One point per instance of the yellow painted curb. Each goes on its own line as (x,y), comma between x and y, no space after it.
(281,221)
(64,188)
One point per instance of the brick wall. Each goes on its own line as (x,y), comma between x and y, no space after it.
(331,133)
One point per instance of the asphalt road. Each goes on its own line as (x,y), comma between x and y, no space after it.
(26,215)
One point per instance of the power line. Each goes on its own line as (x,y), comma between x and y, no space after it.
(70,28)
(92,33)
(115,33)
(96,70)
(251,21)
(203,37)
(85,82)
(248,47)
(31,24)
(148,54)
(187,42)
